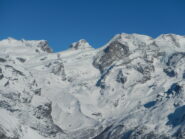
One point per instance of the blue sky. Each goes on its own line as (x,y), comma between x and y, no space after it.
(62,22)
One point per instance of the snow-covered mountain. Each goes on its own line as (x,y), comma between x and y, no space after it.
(131,88)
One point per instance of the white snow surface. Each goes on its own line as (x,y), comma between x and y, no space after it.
(131,88)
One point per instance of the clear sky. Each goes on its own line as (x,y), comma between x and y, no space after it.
(62,22)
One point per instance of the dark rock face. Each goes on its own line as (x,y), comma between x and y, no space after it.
(180,134)
(17,72)
(178,117)
(101,81)
(2,60)
(150,104)
(8,101)
(104,134)
(21,59)
(57,68)
(170,72)
(121,78)
(150,135)
(44,46)
(142,133)
(146,70)
(5,105)
(81,44)
(119,132)
(38,117)
(175,89)
(46,127)
(172,38)
(183,76)
(37,91)
(1,74)
(4,136)
(114,51)
(175,58)
(43,111)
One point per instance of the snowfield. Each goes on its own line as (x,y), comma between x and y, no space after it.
(131,88)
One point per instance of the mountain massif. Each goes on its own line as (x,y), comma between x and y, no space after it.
(131,88)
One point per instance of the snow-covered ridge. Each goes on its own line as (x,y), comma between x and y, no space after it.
(131,88)
(11,42)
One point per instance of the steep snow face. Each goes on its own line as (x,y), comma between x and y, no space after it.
(133,87)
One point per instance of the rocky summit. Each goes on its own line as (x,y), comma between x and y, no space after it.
(131,88)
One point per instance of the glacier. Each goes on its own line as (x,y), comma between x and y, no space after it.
(130,88)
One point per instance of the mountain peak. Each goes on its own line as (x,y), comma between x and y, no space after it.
(12,42)
(93,93)
(81,44)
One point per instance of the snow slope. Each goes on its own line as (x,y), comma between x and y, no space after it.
(131,88)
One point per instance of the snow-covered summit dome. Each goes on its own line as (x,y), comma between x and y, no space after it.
(11,42)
